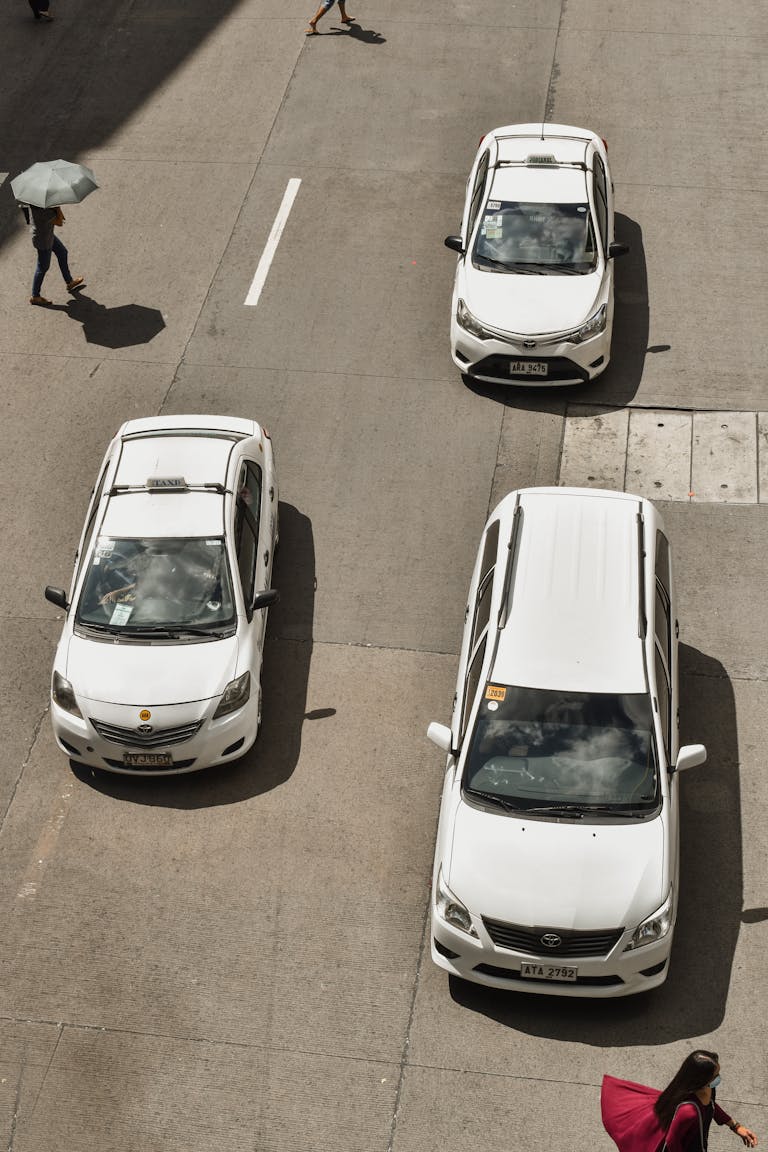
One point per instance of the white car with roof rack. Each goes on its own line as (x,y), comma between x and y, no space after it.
(533,293)
(557,856)
(158,668)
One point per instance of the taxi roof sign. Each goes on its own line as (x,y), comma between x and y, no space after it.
(167,484)
(541,160)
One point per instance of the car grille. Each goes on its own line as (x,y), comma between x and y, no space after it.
(529,940)
(160,738)
(558,368)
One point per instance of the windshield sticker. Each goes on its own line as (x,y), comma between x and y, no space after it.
(104,549)
(495,692)
(492,705)
(494,205)
(211,543)
(121,614)
(581,208)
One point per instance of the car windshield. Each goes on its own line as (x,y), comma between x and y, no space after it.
(550,239)
(155,584)
(534,748)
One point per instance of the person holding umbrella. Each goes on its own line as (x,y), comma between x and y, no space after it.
(44,220)
(41,190)
(677,1119)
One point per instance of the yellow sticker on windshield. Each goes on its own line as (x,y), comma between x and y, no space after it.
(495,692)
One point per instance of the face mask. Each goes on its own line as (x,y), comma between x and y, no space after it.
(714,1083)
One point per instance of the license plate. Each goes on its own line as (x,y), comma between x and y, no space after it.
(548,972)
(147,759)
(528,367)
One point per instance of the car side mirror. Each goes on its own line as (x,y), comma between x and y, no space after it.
(455,244)
(689,756)
(440,734)
(617,250)
(58,597)
(265,598)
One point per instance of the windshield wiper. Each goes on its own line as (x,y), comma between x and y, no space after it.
(584,810)
(493,798)
(507,267)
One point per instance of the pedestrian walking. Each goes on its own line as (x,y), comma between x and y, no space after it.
(40,9)
(47,244)
(326,7)
(677,1119)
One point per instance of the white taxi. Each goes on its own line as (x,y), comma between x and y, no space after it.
(158,668)
(557,857)
(533,293)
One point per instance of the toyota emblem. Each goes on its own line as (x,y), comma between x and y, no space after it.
(145,729)
(529,343)
(551,940)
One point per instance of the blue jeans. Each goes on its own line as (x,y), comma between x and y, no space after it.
(44,263)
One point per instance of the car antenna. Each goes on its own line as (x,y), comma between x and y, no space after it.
(542,129)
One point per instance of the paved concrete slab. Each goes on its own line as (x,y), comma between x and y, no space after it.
(148,256)
(59,415)
(720,611)
(425,114)
(277,905)
(659,455)
(724,457)
(394,522)
(595,448)
(110,1091)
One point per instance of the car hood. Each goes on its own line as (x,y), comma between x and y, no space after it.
(147,675)
(568,874)
(529,305)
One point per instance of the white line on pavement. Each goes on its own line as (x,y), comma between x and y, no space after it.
(254,292)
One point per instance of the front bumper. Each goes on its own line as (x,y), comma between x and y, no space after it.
(566,363)
(186,732)
(619,973)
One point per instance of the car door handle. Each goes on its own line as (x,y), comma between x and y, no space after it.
(266,556)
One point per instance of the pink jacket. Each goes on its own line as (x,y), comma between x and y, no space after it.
(630,1120)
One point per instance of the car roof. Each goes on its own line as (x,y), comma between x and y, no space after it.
(145,456)
(574,617)
(540,185)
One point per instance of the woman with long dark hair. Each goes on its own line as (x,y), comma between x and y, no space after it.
(678,1119)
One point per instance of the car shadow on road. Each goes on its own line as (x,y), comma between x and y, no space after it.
(287,658)
(692,1001)
(618,385)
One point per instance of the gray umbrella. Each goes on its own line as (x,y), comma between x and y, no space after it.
(53,182)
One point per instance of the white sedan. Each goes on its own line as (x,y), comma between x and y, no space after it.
(158,668)
(533,295)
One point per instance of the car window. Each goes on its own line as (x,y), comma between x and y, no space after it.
(662,562)
(485,585)
(477,192)
(662,621)
(246,548)
(535,746)
(472,684)
(516,236)
(663,697)
(249,492)
(92,510)
(145,585)
(601,200)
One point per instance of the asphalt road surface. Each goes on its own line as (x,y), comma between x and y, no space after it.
(239,960)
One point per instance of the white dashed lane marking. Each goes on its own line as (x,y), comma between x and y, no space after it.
(260,277)
(695,457)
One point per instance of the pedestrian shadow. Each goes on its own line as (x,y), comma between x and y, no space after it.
(355,32)
(285,676)
(692,1001)
(120,327)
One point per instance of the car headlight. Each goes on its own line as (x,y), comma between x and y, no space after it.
(64,695)
(469,323)
(654,928)
(234,696)
(450,909)
(593,326)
